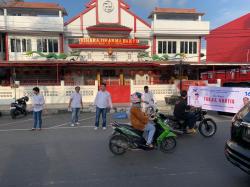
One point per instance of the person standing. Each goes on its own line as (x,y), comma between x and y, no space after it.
(37,104)
(147,99)
(103,103)
(75,105)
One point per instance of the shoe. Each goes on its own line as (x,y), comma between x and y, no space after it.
(191,131)
(40,129)
(72,125)
(96,128)
(33,129)
(77,123)
(104,128)
(151,146)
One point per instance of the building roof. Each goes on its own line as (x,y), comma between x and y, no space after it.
(158,10)
(109,27)
(34,5)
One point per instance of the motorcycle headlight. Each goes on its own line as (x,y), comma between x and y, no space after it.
(166,121)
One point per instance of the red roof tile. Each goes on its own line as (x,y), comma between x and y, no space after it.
(175,11)
(34,5)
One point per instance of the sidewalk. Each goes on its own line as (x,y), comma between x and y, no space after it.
(88,107)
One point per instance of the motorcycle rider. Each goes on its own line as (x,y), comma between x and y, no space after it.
(181,112)
(140,120)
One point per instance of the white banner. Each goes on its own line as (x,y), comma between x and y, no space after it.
(224,99)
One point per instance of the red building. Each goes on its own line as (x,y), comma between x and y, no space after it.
(228,49)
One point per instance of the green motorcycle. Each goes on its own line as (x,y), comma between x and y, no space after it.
(125,137)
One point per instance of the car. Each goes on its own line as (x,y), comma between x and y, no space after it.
(237,149)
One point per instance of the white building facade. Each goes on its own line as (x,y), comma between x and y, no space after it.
(106,42)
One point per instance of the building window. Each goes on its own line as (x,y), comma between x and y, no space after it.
(47,45)
(171,47)
(164,47)
(15,45)
(189,47)
(55,46)
(160,51)
(167,47)
(26,45)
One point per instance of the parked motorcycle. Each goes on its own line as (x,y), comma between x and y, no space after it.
(206,126)
(19,107)
(125,137)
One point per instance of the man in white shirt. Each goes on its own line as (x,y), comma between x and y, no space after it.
(75,104)
(37,104)
(148,98)
(102,102)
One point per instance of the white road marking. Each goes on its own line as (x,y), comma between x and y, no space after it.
(69,123)
(58,128)
(16,122)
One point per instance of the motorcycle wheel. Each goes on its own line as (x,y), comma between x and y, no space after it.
(168,145)
(207,128)
(118,144)
(13,114)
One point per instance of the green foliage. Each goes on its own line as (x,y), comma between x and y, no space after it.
(52,55)
(156,57)
(182,56)
(165,58)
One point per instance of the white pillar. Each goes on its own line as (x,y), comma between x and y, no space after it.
(155,17)
(62,83)
(5,12)
(219,82)
(131,86)
(60,14)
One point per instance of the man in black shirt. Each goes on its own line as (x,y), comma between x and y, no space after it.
(181,112)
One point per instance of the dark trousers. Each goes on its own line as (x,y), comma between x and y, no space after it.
(190,120)
(100,111)
(75,115)
(37,119)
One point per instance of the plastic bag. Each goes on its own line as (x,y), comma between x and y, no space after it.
(120,115)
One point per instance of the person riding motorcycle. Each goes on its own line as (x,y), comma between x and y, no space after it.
(139,120)
(181,112)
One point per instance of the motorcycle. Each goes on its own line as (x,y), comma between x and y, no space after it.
(19,107)
(125,137)
(206,126)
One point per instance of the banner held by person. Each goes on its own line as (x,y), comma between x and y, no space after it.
(223,99)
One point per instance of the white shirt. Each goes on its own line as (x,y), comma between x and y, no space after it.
(76,100)
(149,98)
(38,103)
(103,100)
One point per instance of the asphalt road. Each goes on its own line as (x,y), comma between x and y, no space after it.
(61,156)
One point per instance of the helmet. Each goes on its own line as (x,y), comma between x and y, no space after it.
(136,98)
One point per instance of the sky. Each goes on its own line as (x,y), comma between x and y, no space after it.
(218,12)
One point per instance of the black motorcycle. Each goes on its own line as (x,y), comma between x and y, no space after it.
(19,107)
(206,126)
